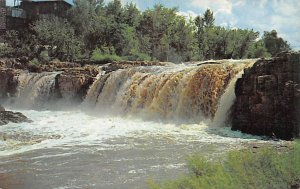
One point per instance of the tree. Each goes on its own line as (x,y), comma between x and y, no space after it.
(258,50)
(59,36)
(208,18)
(274,44)
(199,22)
(88,19)
(162,32)
(132,15)
(19,44)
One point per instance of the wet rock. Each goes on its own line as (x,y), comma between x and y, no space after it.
(74,83)
(14,63)
(268,98)
(15,117)
(7,82)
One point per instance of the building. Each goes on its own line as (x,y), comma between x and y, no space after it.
(39,9)
(19,17)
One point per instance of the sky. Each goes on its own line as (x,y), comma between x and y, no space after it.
(259,15)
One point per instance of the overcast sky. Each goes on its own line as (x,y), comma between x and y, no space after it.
(260,15)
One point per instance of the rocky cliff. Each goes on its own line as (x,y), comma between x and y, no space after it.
(268,98)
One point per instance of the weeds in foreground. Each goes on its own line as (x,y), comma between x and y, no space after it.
(257,169)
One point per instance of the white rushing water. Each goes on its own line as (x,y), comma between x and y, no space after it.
(70,149)
(71,128)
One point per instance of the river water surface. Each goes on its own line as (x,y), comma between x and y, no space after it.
(70,149)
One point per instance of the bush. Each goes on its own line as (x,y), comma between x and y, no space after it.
(5,50)
(34,65)
(138,57)
(265,168)
(104,58)
(44,57)
(34,62)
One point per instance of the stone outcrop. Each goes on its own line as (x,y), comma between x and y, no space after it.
(268,98)
(73,83)
(14,117)
(7,82)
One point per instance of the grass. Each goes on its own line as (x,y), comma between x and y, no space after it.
(248,169)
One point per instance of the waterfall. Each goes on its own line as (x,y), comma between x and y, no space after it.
(227,99)
(35,89)
(174,92)
(185,92)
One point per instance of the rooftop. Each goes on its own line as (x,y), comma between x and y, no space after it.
(66,1)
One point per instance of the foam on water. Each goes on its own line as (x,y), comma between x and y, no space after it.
(63,129)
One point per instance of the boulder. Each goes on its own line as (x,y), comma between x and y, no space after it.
(15,117)
(268,98)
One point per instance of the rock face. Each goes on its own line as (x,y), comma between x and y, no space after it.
(268,98)
(7,82)
(15,117)
(74,83)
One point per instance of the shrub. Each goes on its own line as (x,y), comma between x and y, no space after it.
(104,58)
(138,57)
(5,50)
(44,57)
(265,168)
(34,65)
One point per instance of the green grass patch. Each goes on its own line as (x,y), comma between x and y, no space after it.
(252,168)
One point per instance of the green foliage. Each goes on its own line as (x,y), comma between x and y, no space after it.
(258,50)
(34,62)
(59,37)
(44,56)
(164,34)
(138,57)
(265,168)
(159,32)
(20,44)
(5,50)
(100,57)
(274,44)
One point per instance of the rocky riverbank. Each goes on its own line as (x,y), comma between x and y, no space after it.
(268,98)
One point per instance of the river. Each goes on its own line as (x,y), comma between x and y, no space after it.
(70,149)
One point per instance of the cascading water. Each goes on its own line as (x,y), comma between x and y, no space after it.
(71,149)
(35,90)
(180,92)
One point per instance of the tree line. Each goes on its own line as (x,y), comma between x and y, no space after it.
(97,31)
